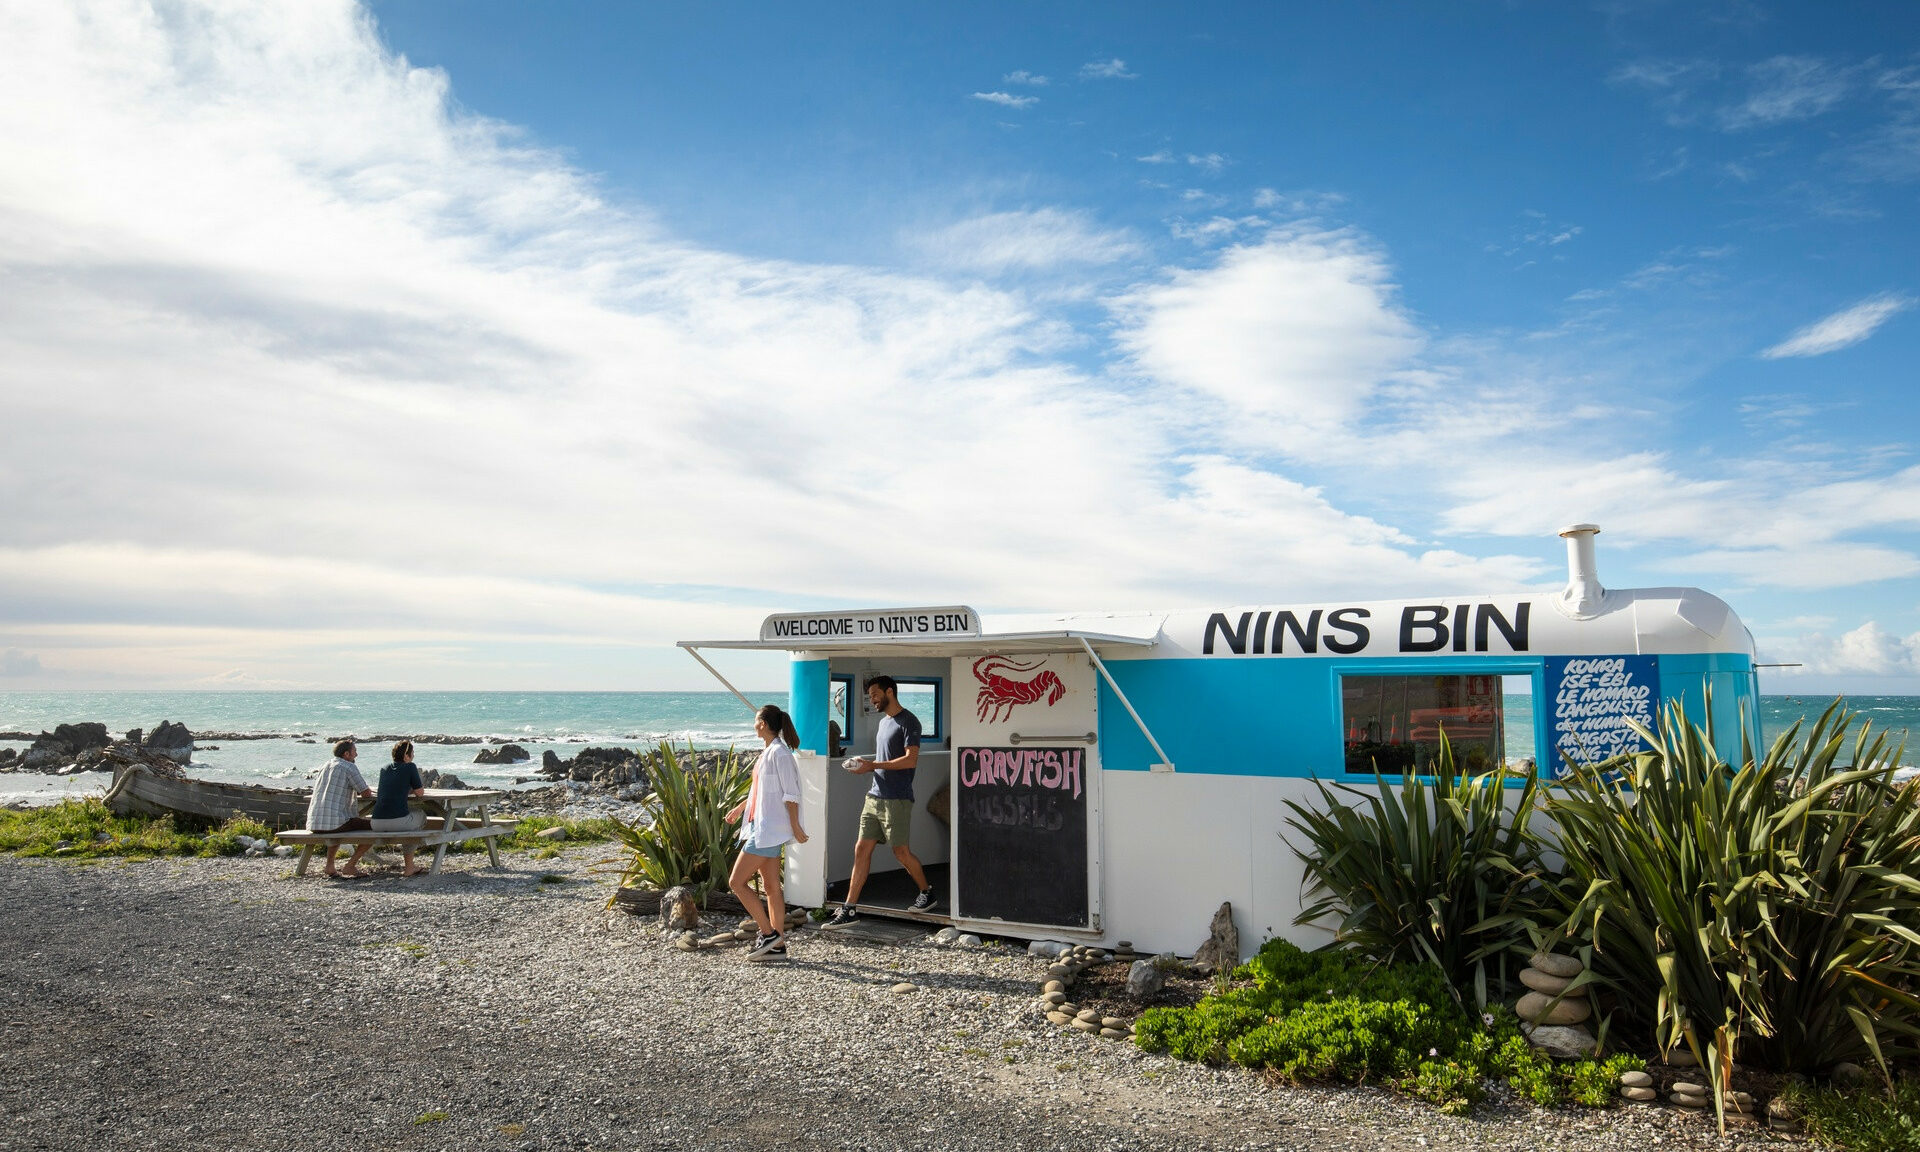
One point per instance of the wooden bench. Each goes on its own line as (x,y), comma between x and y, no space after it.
(436,834)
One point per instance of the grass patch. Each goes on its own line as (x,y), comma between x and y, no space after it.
(525,838)
(1865,1119)
(431,1118)
(85,829)
(552,878)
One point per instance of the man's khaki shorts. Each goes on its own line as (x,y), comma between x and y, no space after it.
(888,821)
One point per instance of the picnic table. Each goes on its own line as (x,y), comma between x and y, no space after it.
(448,823)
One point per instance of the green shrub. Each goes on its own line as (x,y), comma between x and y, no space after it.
(1334,1015)
(685,838)
(1448,1085)
(1771,905)
(1867,1119)
(1438,870)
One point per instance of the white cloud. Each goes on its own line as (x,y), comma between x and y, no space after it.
(421,398)
(1025,77)
(1161,157)
(1044,238)
(1114,69)
(1843,329)
(1007,99)
(1296,331)
(14,662)
(1868,650)
(1787,88)
(1212,161)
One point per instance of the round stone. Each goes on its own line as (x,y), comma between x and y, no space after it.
(903,987)
(1086,1025)
(1640,1094)
(1055,997)
(1089,1014)
(743,933)
(1681,1058)
(1112,1022)
(1114,1033)
(1565,967)
(1059,1018)
(968,940)
(1059,972)
(1551,985)
(1054,986)
(1689,1088)
(1537,1008)
(1686,1101)
(746,925)
(1636,1080)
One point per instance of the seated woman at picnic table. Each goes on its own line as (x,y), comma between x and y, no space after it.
(331,809)
(391,813)
(772,819)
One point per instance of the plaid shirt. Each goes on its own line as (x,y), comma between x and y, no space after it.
(333,795)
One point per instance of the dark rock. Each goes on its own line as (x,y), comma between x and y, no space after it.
(551,766)
(1144,979)
(678,911)
(54,750)
(434,778)
(1221,952)
(133,736)
(170,740)
(505,754)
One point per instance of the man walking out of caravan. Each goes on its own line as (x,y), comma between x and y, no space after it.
(887,815)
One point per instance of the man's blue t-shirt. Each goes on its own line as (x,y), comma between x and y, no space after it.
(890,742)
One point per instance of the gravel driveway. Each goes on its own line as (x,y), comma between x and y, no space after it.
(224,1004)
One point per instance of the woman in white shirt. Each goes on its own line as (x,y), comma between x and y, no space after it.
(772,812)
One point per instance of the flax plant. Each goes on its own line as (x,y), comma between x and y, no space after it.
(685,839)
(1439,869)
(1764,912)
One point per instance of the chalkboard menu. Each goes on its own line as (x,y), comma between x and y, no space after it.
(1022,824)
(1590,701)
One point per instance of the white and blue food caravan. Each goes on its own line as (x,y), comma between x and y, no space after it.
(1117,777)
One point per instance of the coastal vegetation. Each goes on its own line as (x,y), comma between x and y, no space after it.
(684,839)
(86,829)
(1761,916)
(83,829)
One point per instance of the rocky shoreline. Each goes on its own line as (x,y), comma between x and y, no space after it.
(530,1017)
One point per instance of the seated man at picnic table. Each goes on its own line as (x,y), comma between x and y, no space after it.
(333,807)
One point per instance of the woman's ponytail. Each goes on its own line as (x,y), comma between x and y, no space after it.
(781,724)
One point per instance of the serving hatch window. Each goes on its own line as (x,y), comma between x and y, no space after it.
(1392,724)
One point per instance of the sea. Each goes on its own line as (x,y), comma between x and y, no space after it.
(299,727)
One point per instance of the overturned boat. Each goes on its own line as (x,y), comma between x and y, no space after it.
(143,788)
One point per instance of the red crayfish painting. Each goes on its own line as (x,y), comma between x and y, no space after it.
(1000,694)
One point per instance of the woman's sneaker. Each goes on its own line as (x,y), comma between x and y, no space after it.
(842,915)
(767,947)
(925,901)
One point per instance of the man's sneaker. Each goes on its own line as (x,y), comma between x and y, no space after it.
(925,901)
(842,915)
(767,947)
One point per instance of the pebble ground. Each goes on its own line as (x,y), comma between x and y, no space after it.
(225,1004)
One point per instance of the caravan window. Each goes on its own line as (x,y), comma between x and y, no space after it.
(1392,724)
(840,706)
(921,696)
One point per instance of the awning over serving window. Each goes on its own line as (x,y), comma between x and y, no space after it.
(954,631)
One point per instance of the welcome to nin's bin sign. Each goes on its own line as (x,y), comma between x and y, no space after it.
(885,624)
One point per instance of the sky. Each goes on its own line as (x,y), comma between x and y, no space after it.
(493,345)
